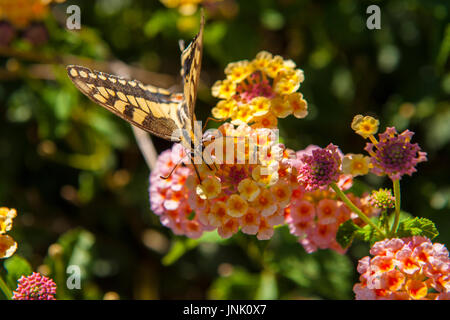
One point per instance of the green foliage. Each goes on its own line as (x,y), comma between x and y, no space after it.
(346,233)
(16,267)
(417,227)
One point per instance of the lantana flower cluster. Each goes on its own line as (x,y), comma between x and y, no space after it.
(169,197)
(248,188)
(7,244)
(404,269)
(392,154)
(35,287)
(315,212)
(258,92)
(245,193)
(234,193)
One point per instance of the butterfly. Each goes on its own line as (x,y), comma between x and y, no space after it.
(155,110)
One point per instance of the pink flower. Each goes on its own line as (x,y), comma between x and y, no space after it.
(394,155)
(35,287)
(169,198)
(320,168)
(404,269)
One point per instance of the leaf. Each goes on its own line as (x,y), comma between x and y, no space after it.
(368,234)
(417,227)
(346,233)
(16,267)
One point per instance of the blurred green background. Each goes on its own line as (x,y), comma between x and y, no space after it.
(75,175)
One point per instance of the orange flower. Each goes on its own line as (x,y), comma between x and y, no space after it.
(236,206)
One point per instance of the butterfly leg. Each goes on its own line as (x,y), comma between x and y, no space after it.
(171,171)
(213,119)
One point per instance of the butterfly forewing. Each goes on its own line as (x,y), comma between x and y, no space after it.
(167,115)
(191,62)
(152,109)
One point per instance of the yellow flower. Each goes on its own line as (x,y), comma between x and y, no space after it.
(6,218)
(224,109)
(262,60)
(224,89)
(298,105)
(265,176)
(365,126)
(265,203)
(275,66)
(266,121)
(236,206)
(416,289)
(260,106)
(356,164)
(280,107)
(238,71)
(243,114)
(282,192)
(209,188)
(7,246)
(248,189)
(250,221)
(218,214)
(287,81)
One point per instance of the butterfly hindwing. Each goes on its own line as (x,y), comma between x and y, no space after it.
(152,109)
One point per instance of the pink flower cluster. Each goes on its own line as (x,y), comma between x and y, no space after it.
(405,269)
(315,216)
(319,167)
(35,287)
(231,197)
(169,197)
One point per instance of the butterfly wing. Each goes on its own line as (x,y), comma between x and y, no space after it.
(152,109)
(191,63)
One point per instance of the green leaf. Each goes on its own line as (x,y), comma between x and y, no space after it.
(346,233)
(417,227)
(368,234)
(16,267)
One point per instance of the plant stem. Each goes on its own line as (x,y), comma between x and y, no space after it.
(355,209)
(396,184)
(5,289)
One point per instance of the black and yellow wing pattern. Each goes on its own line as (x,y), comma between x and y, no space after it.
(152,109)
(155,110)
(191,64)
